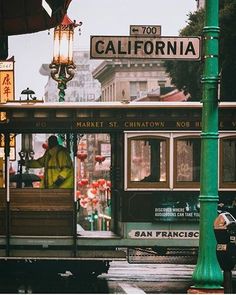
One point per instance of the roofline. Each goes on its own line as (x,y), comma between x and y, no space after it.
(112,63)
(113,105)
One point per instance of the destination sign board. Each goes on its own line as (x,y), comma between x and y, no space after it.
(163,234)
(145,30)
(118,47)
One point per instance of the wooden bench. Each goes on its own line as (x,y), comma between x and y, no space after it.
(38,212)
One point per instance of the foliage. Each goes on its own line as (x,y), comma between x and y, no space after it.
(187,75)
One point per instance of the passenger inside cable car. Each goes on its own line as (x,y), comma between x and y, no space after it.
(57,163)
(40,162)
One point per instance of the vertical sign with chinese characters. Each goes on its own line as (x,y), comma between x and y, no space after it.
(7,92)
(7,89)
(7,86)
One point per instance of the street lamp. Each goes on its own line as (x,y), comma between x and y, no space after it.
(62,66)
(28,92)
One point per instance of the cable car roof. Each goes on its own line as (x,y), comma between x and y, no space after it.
(29,104)
(96,105)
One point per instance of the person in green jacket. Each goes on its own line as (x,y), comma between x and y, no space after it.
(57,163)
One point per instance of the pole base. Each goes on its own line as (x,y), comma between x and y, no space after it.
(193,290)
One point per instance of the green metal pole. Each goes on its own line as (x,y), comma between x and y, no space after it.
(207,274)
(62,84)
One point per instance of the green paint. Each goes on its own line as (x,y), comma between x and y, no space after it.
(207,273)
(62,84)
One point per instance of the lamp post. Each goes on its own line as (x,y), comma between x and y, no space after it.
(28,92)
(207,273)
(62,66)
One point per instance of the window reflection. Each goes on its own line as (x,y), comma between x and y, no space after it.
(188,160)
(229,160)
(148,160)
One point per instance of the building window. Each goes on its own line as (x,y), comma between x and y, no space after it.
(138,89)
(111,94)
(162,83)
(113,91)
(228,162)
(187,162)
(147,162)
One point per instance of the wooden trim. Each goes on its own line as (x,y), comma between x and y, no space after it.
(35,212)
(183,184)
(222,184)
(146,185)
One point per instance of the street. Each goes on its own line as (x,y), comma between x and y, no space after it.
(148,278)
(122,278)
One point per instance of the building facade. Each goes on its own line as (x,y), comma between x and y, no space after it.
(200,4)
(83,87)
(127,80)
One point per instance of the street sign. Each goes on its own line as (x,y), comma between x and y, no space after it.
(145,30)
(118,47)
(7,86)
(7,89)
(6,65)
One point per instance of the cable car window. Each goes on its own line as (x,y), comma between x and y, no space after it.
(228,162)
(187,161)
(147,162)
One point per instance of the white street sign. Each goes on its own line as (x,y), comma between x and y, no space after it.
(118,47)
(145,30)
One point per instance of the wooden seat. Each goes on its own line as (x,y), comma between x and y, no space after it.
(37,212)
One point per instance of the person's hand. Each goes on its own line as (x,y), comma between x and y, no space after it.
(59,181)
(22,162)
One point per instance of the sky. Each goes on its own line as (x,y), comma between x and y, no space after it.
(103,17)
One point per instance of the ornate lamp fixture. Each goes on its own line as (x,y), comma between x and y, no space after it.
(28,92)
(62,66)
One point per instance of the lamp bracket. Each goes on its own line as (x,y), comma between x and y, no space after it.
(62,73)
